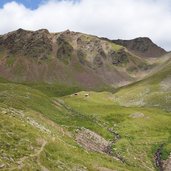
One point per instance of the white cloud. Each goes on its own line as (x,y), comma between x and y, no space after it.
(108,18)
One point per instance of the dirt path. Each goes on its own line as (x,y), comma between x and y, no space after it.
(37,155)
(43,168)
(40,150)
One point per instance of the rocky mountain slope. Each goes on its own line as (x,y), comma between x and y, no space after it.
(71,58)
(142,46)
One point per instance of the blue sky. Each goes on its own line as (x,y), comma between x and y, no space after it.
(123,19)
(32,4)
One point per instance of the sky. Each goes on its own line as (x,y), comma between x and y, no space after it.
(114,19)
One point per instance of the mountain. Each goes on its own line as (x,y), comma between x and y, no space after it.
(142,46)
(71,58)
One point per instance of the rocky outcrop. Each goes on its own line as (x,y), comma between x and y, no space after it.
(119,57)
(157,157)
(64,51)
(27,43)
(91,140)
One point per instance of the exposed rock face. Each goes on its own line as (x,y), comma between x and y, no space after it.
(27,43)
(119,57)
(65,50)
(142,46)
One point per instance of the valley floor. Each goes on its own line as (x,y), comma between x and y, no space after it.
(85,131)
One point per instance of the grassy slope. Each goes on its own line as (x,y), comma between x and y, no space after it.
(154,91)
(30,122)
(56,90)
(36,126)
(140,137)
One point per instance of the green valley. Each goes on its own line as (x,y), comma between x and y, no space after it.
(83,103)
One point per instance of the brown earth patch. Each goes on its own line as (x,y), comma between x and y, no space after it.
(167,164)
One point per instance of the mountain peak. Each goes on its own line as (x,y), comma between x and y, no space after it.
(43,31)
(142,46)
(20,30)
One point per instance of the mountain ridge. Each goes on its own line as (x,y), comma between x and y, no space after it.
(69,57)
